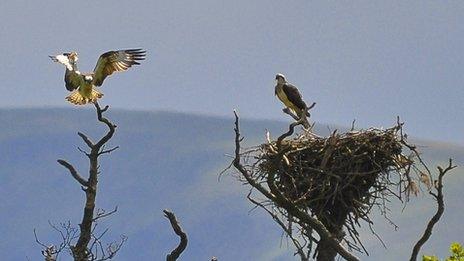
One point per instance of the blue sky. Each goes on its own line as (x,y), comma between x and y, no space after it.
(363,60)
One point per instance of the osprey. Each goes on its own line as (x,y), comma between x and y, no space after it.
(291,98)
(82,85)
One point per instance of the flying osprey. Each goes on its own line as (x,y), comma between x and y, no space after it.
(82,85)
(291,98)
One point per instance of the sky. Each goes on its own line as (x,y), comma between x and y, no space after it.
(364,60)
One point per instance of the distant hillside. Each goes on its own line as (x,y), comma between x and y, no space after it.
(171,160)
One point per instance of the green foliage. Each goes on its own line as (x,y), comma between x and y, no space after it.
(429,258)
(457,254)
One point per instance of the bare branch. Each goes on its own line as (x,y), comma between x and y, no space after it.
(73,172)
(83,151)
(108,150)
(178,230)
(352,125)
(288,230)
(85,139)
(113,248)
(440,209)
(291,129)
(104,109)
(299,120)
(38,241)
(103,214)
(51,252)
(240,167)
(110,125)
(311,106)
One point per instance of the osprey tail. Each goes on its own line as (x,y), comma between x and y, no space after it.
(80,98)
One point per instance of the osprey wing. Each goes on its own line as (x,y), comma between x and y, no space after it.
(63,59)
(293,95)
(116,61)
(72,80)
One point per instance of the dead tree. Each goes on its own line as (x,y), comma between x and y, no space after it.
(438,196)
(89,245)
(320,190)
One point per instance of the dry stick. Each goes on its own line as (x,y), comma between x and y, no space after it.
(291,129)
(103,214)
(296,243)
(440,210)
(50,252)
(80,250)
(178,230)
(275,196)
(73,172)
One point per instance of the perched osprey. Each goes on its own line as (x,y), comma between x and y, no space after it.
(291,98)
(83,85)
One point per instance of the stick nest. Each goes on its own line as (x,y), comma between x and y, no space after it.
(337,179)
(341,176)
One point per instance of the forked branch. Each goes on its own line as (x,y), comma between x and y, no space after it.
(438,186)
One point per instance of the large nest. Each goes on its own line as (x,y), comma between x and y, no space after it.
(341,169)
(341,177)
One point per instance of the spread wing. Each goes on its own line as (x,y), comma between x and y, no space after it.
(72,80)
(293,95)
(116,61)
(63,59)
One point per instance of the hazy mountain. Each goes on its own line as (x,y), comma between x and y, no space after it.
(170,160)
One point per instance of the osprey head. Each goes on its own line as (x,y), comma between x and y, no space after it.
(280,78)
(72,57)
(67,59)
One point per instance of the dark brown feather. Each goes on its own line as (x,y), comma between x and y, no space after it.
(294,96)
(71,80)
(116,61)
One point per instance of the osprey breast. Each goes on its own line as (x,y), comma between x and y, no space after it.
(283,97)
